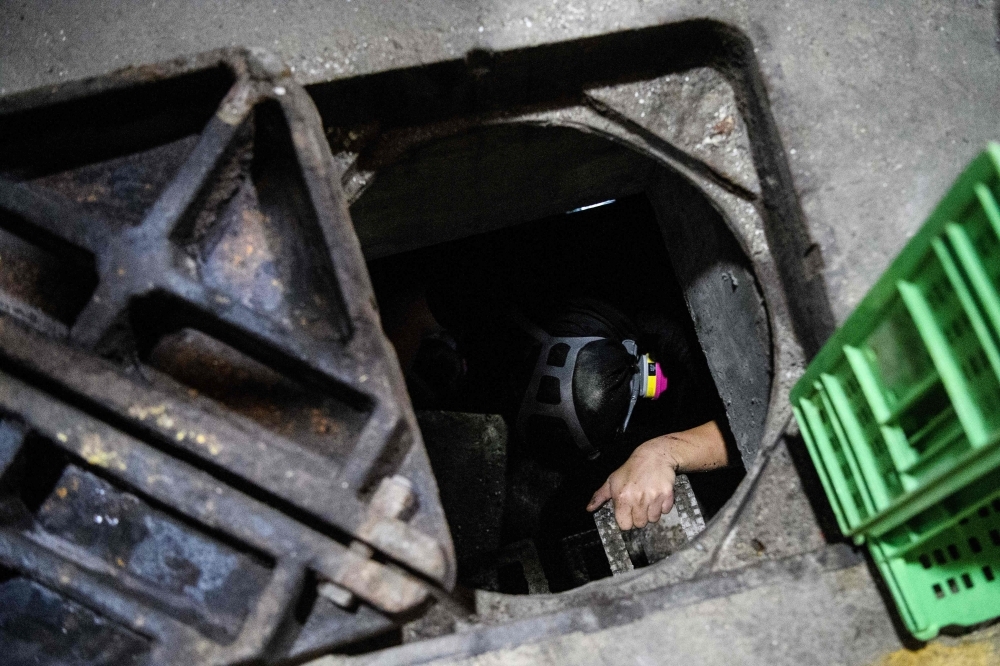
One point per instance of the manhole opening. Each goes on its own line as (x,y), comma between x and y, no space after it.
(461,148)
(515,499)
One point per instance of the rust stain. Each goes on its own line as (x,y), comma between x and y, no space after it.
(61,493)
(724,126)
(93,452)
(142,412)
(937,654)
(321,424)
(24,278)
(210,442)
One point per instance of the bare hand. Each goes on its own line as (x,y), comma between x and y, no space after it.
(643,488)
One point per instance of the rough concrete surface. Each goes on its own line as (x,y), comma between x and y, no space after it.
(878,105)
(778,520)
(694,110)
(761,626)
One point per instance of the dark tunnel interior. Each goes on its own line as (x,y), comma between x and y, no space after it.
(517,511)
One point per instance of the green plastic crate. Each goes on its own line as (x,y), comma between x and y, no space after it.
(952,578)
(900,412)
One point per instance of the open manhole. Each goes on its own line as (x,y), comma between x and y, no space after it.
(515,499)
(206,445)
(500,184)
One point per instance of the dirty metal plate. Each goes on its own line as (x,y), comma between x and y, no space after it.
(674,530)
(612,540)
(206,449)
(655,541)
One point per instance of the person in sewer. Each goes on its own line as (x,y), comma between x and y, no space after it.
(498,356)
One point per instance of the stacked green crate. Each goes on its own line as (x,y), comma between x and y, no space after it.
(900,412)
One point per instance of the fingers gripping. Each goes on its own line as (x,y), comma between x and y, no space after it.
(654,511)
(667,504)
(623,512)
(640,514)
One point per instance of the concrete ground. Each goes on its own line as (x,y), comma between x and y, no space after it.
(878,105)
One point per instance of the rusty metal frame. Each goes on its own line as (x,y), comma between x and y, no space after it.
(336,520)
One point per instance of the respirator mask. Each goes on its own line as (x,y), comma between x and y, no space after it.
(550,391)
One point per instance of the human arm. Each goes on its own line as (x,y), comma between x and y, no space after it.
(643,488)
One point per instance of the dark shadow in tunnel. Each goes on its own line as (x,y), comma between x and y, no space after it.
(555,75)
